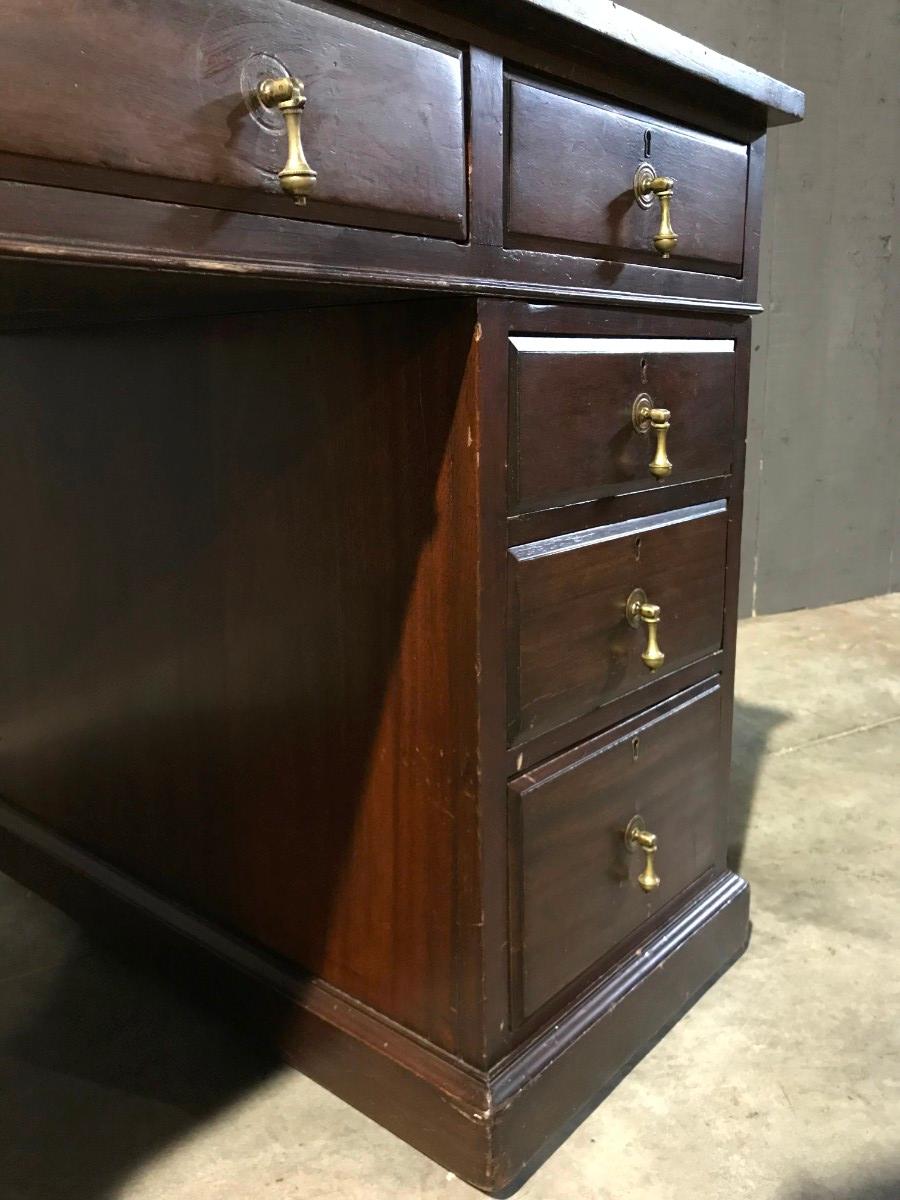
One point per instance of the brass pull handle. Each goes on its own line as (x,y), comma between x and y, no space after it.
(639,611)
(646,418)
(638,837)
(648,184)
(286,94)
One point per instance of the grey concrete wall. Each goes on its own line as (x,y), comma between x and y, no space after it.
(822,519)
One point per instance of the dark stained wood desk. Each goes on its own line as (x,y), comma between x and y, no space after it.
(374,392)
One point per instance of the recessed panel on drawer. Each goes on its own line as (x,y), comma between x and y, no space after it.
(577,884)
(168,90)
(576,430)
(572,167)
(576,639)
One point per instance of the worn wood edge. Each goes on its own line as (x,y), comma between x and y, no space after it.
(485,1126)
(541,1092)
(658,44)
(643,43)
(23,249)
(524,1066)
(538,524)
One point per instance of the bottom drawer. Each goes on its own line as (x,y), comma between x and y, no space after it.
(575,888)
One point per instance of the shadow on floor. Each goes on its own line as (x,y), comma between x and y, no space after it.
(753,726)
(880,1185)
(104,1062)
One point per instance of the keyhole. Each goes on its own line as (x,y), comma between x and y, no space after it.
(635,748)
(637,549)
(643,370)
(646,143)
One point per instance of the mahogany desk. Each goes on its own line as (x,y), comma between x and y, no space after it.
(371,453)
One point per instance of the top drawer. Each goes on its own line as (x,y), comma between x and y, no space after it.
(167,89)
(572,168)
(579,421)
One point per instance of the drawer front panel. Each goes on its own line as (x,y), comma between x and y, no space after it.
(572,434)
(574,884)
(165,89)
(572,163)
(572,648)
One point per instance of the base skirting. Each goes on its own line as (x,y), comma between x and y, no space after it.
(489,1128)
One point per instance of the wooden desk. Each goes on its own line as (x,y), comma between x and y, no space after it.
(370,566)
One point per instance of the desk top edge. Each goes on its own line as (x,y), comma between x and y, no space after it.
(642,37)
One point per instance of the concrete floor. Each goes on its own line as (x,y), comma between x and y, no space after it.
(782,1083)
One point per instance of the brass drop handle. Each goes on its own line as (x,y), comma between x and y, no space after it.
(646,418)
(648,184)
(638,837)
(639,611)
(286,94)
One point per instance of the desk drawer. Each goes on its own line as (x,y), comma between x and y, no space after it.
(572,166)
(572,648)
(165,90)
(572,430)
(575,890)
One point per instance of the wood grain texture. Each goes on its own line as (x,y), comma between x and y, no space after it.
(571,650)
(572,437)
(574,894)
(572,161)
(166,90)
(223,674)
